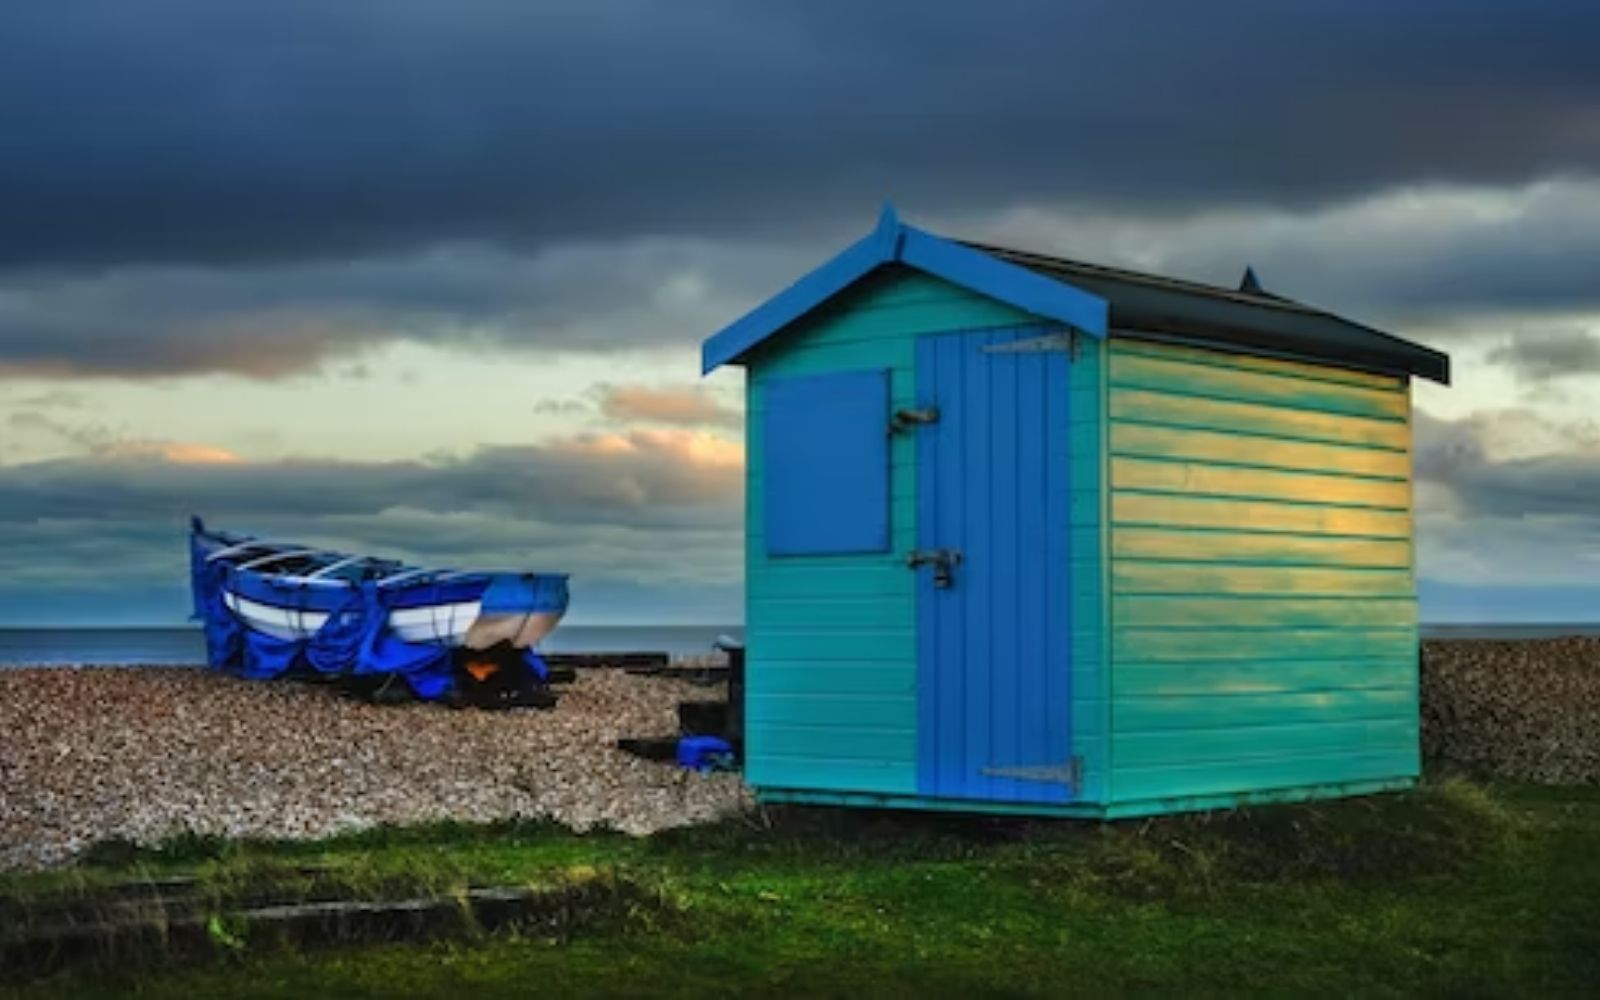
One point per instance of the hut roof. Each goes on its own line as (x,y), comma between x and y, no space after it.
(1256,321)
(1093,299)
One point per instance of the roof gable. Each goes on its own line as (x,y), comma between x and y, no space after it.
(1090,298)
(894,242)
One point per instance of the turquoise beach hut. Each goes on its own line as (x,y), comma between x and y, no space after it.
(1033,536)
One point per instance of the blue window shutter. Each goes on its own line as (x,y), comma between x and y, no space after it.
(827,464)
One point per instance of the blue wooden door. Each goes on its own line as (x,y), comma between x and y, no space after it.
(993,604)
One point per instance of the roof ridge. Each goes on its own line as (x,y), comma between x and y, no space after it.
(1179,284)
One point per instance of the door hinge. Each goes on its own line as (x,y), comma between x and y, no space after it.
(1068,772)
(1067,341)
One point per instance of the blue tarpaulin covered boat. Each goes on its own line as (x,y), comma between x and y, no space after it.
(273,608)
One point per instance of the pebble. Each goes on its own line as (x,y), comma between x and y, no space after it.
(144,753)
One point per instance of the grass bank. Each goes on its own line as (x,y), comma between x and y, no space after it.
(1454,888)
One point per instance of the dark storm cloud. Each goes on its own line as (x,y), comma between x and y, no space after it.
(188,129)
(1541,357)
(268,320)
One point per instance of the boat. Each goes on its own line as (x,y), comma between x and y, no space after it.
(272,608)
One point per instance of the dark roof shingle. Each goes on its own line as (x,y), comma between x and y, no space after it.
(1206,314)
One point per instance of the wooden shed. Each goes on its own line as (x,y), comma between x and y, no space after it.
(1029,535)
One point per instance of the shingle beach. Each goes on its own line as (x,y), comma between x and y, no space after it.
(142,753)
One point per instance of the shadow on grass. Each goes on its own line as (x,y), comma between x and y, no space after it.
(1435,829)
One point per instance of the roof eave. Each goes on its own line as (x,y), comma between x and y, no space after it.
(894,242)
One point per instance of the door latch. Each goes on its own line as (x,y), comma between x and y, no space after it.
(943,561)
(904,420)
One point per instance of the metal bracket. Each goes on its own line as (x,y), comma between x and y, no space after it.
(1069,773)
(1065,341)
(943,561)
(904,420)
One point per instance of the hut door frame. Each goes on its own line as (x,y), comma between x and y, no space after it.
(993,566)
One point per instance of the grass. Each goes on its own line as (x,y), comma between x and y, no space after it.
(1451,889)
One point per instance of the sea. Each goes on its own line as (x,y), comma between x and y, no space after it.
(185,646)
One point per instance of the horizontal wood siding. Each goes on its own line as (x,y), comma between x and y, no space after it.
(1262,589)
(832,656)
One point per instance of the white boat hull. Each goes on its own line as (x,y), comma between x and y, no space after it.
(437,624)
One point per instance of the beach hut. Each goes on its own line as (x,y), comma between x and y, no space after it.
(1026,535)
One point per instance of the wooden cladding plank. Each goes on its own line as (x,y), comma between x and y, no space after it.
(798,647)
(1203,413)
(1251,547)
(1226,677)
(1170,510)
(1150,441)
(1170,713)
(885,777)
(769,708)
(1153,577)
(828,613)
(1248,362)
(1169,781)
(846,678)
(1192,645)
(824,742)
(1151,749)
(789,578)
(1160,611)
(1172,374)
(1203,479)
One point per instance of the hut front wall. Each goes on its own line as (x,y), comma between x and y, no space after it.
(1263,605)
(832,647)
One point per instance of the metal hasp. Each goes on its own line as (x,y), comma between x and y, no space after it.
(943,561)
(904,420)
(1069,773)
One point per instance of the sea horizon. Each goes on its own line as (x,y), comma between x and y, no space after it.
(182,645)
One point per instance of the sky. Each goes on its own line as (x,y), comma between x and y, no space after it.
(429,279)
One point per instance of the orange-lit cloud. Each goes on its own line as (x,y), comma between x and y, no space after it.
(177,452)
(691,447)
(689,405)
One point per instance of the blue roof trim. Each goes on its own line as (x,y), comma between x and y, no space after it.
(892,241)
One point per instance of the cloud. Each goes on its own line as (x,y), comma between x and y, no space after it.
(1438,255)
(192,130)
(1507,499)
(689,405)
(648,521)
(270,321)
(1450,261)
(645,478)
(1543,357)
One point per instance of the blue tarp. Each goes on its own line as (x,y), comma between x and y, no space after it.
(354,640)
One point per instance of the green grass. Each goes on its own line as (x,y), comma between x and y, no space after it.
(1451,889)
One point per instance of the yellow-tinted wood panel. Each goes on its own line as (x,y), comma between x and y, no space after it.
(1199,478)
(1141,577)
(1251,547)
(1303,369)
(1189,645)
(1150,406)
(1167,510)
(1174,375)
(1148,441)
(1139,611)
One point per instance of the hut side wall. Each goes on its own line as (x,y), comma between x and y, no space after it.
(1263,605)
(832,647)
